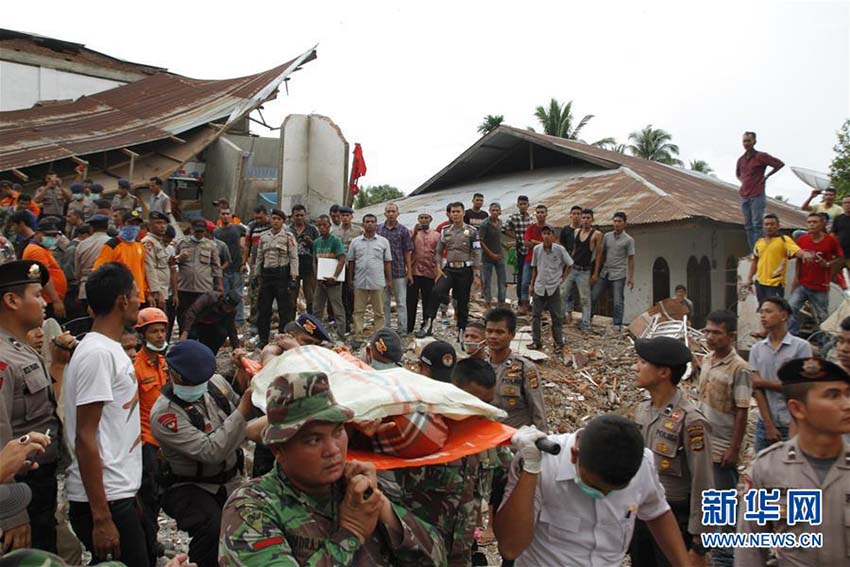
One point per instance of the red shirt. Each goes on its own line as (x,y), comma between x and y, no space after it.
(533,232)
(812,274)
(750,172)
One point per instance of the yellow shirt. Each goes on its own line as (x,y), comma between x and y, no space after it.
(832,211)
(773,256)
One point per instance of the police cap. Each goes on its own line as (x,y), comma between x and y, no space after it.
(441,357)
(49,225)
(132,216)
(199,224)
(22,272)
(808,370)
(663,351)
(311,325)
(387,343)
(278,213)
(156,215)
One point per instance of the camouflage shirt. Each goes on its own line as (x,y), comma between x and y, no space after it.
(445,496)
(267,521)
(494,465)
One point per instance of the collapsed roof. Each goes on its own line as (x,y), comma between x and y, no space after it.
(151,126)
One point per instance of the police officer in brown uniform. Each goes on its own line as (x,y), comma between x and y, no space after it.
(463,265)
(156,258)
(678,434)
(199,265)
(27,400)
(518,388)
(199,422)
(277,264)
(817,458)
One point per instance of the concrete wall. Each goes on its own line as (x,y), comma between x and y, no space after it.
(225,162)
(314,163)
(677,243)
(21,86)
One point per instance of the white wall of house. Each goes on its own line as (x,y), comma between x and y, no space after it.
(677,243)
(21,86)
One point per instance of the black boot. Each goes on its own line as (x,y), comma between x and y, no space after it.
(426,329)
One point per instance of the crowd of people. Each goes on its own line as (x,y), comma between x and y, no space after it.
(136,422)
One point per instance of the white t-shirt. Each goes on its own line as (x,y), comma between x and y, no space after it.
(100,371)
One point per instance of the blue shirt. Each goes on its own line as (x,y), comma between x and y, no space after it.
(400,242)
(369,255)
(767,361)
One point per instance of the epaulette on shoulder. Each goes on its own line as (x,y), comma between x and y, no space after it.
(112,242)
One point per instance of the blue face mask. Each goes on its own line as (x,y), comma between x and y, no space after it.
(377,365)
(49,241)
(129,233)
(594,493)
(190,393)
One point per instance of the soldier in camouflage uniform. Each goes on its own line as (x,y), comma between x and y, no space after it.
(447,496)
(313,508)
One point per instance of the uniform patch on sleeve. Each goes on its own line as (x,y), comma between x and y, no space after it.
(532,380)
(264,543)
(3,366)
(168,421)
(696,436)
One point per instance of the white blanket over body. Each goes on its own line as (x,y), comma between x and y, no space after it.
(373,394)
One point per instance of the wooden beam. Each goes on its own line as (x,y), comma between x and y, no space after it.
(177,140)
(20,175)
(79,161)
(130,153)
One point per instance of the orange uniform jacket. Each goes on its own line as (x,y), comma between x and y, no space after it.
(39,253)
(132,255)
(152,374)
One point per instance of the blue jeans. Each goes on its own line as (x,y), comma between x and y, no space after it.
(581,280)
(619,290)
(764,291)
(400,293)
(234,281)
(761,436)
(753,210)
(526,281)
(819,301)
(725,478)
(501,280)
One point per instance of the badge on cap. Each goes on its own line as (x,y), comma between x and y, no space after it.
(381,346)
(34,272)
(448,360)
(813,369)
(309,326)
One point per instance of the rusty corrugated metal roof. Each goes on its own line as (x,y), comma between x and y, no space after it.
(153,108)
(69,52)
(649,192)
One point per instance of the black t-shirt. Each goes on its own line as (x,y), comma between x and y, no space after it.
(841,229)
(568,238)
(475,219)
(230,235)
(491,236)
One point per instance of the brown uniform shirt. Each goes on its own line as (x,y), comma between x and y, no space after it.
(679,438)
(519,392)
(199,265)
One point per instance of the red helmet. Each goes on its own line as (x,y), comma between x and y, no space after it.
(150,315)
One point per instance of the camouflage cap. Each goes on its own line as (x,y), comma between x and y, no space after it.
(294,400)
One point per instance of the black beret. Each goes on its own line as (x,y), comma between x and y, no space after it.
(663,351)
(156,215)
(346,211)
(278,213)
(193,361)
(313,326)
(199,224)
(22,272)
(808,370)
(49,225)
(132,216)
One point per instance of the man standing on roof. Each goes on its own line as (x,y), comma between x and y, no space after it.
(750,171)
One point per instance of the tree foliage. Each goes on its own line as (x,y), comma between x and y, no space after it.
(701,166)
(490,123)
(558,120)
(654,144)
(840,167)
(372,194)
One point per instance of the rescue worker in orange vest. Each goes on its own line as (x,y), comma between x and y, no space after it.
(152,374)
(125,249)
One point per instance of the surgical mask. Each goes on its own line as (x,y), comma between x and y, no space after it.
(129,233)
(151,347)
(49,241)
(190,393)
(78,196)
(594,493)
(377,365)
(196,238)
(471,348)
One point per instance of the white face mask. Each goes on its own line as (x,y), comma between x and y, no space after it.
(151,347)
(471,348)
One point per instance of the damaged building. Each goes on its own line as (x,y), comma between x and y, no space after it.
(687,226)
(66,107)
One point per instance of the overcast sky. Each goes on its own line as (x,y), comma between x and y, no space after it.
(412,82)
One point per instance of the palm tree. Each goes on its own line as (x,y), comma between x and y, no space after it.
(611,145)
(559,121)
(490,123)
(701,166)
(654,144)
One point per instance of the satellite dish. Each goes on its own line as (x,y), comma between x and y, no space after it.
(814,179)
